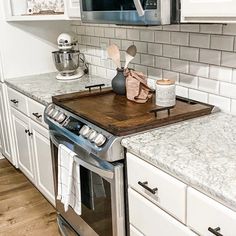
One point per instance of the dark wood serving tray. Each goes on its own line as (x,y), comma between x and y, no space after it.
(120,116)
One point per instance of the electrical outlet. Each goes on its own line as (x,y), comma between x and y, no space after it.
(104,55)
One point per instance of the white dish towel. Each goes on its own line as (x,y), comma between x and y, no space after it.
(69,191)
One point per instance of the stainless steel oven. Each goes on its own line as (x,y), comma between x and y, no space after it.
(102,187)
(132,12)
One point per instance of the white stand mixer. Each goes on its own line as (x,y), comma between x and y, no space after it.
(68,61)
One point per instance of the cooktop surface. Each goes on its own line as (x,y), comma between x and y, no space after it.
(119,116)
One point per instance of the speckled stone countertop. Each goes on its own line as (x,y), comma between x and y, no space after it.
(200,152)
(42,87)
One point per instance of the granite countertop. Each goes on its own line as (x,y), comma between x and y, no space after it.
(42,87)
(201,152)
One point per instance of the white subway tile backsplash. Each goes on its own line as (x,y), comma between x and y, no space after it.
(210,56)
(188,53)
(190,28)
(211,28)
(199,40)
(228,90)
(199,69)
(208,85)
(221,102)
(120,33)
(225,43)
(179,65)
(220,73)
(200,58)
(147,60)
(147,36)
(163,63)
(228,59)
(198,95)
(162,37)
(180,38)
(133,34)
(155,49)
(171,51)
(188,80)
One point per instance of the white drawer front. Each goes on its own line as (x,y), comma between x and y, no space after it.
(134,231)
(151,220)
(171,193)
(203,212)
(36,112)
(18,100)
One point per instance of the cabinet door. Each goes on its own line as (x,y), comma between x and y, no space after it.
(43,161)
(208,10)
(23,143)
(72,8)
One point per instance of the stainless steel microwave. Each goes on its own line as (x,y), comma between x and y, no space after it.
(128,12)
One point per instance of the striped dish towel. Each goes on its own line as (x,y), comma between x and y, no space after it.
(69,191)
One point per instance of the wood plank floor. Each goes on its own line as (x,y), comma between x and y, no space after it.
(23,210)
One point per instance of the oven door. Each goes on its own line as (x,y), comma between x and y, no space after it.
(102,193)
(139,12)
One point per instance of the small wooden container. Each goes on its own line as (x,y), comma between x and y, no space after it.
(165,93)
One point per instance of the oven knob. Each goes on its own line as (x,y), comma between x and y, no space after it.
(54,114)
(50,111)
(61,117)
(100,140)
(85,131)
(92,135)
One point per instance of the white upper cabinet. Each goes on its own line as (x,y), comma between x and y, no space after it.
(29,10)
(208,11)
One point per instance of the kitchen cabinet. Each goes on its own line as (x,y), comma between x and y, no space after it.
(161,208)
(21,130)
(21,10)
(32,143)
(208,11)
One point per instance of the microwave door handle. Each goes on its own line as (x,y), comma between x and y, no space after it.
(101,171)
(139,7)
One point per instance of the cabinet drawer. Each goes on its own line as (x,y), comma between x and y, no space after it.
(134,231)
(36,112)
(151,220)
(170,194)
(17,100)
(204,212)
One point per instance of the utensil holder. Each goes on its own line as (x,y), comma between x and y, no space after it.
(119,82)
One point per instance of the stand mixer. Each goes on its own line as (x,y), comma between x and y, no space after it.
(68,61)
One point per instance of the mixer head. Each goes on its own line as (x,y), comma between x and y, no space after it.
(66,41)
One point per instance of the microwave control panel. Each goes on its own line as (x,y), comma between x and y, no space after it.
(151,4)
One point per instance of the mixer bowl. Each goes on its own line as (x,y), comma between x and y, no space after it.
(66,62)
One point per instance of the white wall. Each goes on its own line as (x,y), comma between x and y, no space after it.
(26,46)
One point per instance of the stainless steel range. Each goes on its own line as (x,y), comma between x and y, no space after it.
(92,124)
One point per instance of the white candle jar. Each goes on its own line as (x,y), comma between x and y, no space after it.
(165,93)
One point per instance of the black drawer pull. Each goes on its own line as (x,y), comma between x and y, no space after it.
(37,115)
(144,185)
(215,231)
(27,131)
(14,101)
(30,133)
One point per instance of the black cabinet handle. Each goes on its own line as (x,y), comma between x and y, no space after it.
(37,115)
(30,133)
(14,101)
(26,131)
(215,231)
(145,185)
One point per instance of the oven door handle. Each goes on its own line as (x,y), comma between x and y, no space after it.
(101,170)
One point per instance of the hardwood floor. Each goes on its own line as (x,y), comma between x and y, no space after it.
(23,210)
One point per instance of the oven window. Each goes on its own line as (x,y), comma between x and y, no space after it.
(109,5)
(96,202)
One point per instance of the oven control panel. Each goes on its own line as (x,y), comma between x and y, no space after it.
(75,126)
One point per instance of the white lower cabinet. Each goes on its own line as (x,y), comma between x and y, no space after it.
(33,153)
(21,131)
(150,220)
(205,215)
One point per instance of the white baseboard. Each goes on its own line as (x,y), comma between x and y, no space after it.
(1,156)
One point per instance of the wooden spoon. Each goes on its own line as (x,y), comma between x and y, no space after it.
(130,54)
(114,53)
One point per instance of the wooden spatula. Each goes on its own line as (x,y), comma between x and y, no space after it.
(130,54)
(114,53)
